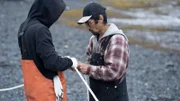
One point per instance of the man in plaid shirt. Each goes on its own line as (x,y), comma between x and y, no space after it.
(108,56)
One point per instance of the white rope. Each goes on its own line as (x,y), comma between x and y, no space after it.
(89,89)
(92,93)
(11,88)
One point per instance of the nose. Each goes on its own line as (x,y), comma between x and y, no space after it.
(87,26)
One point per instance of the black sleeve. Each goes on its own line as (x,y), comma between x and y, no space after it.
(45,49)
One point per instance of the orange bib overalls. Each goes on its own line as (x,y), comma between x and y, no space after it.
(36,86)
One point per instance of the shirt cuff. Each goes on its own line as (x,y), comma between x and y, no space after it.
(89,70)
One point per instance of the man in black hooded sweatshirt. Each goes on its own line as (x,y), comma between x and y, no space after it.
(40,62)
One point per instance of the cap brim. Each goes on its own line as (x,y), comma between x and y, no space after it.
(84,19)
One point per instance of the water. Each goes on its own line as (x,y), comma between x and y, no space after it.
(152,75)
(157,24)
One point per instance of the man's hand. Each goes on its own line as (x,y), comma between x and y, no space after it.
(83,67)
(73,68)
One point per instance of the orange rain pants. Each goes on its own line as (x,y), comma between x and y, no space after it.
(36,86)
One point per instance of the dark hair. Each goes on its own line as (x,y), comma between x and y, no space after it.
(95,17)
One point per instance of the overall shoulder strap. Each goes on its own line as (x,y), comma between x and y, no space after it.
(24,26)
(21,38)
(105,43)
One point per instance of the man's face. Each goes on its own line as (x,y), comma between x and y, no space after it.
(93,27)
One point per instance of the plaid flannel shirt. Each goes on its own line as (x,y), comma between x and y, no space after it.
(116,59)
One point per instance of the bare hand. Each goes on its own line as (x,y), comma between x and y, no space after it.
(73,69)
(83,67)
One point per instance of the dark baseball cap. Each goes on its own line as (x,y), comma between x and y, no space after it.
(90,10)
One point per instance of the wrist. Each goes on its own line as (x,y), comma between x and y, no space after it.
(88,70)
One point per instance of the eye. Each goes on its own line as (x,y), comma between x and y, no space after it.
(87,24)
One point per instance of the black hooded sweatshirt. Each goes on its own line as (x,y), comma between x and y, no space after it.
(35,39)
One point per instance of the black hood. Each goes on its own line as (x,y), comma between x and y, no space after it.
(46,11)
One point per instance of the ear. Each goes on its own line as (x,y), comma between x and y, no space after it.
(101,18)
(91,21)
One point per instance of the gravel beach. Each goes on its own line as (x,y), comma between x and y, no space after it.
(153,75)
